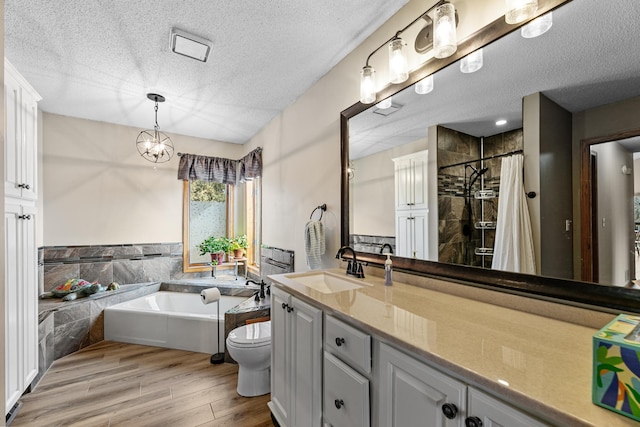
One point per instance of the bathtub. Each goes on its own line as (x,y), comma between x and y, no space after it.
(169,319)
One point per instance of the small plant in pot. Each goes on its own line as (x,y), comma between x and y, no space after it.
(216,246)
(239,245)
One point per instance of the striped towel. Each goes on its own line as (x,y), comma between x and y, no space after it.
(314,244)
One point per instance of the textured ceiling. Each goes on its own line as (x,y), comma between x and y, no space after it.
(97,59)
(588,58)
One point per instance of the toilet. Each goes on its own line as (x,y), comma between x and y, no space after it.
(250,346)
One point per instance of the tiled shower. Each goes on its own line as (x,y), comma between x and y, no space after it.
(459,241)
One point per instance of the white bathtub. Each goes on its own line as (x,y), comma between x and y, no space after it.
(169,319)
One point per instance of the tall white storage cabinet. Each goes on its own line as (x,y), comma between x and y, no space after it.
(411,205)
(20,188)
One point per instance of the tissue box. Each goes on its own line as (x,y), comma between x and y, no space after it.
(616,366)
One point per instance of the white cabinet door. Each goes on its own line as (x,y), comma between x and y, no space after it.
(29,161)
(280,404)
(494,413)
(419,234)
(21,143)
(411,181)
(21,299)
(411,234)
(13,137)
(296,361)
(414,394)
(346,395)
(307,361)
(12,309)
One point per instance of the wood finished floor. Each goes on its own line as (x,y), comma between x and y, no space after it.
(114,384)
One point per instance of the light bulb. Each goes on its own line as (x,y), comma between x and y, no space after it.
(537,27)
(445,39)
(472,62)
(520,10)
(398,65)
(425,85)
(384,104)
(368,85)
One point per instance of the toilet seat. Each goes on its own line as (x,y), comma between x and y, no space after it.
(252,335)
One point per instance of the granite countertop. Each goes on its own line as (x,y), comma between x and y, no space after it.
(537,363)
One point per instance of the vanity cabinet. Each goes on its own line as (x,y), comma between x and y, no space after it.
(296,361)
(415,394)
(20,281)
(346,362)
(492,412)
(412,392)
(410,180)
(346,395)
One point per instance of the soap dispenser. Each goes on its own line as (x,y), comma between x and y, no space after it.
(388,267)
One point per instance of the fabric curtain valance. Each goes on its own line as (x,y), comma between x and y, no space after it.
(218,169)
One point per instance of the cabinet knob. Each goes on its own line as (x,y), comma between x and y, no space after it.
(339,341)
(284,305)
(473,422)
(339,403)
(289,309)
(450,410)
(27,217)
(25,186)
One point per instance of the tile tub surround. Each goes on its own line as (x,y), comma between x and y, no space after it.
(546,362)
(68,326)
(124,264)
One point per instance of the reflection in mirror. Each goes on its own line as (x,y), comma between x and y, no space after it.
(547,94)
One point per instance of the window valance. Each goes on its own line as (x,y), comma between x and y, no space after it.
(218,169)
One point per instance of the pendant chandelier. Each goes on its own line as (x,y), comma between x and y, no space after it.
(153,145)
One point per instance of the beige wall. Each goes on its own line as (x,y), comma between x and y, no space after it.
(302,144)
(98,190)
(372,191)
(597,122)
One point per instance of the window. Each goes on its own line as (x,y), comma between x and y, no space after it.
(215,209)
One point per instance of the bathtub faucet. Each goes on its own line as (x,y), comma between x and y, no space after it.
(354,267)
(264,289)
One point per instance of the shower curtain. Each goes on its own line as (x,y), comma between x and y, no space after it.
(513,248)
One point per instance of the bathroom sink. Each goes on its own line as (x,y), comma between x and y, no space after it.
(324,282)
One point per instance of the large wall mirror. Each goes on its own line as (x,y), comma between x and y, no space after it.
(569,100)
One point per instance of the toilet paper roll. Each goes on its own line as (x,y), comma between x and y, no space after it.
(210,295)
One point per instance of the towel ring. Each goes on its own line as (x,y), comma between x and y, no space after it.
(322,208)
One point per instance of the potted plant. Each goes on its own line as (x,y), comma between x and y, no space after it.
(216,246)
(238,245)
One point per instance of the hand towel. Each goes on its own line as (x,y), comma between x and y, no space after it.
(314,244)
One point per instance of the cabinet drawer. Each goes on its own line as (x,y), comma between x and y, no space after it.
(348,343)
(346,395)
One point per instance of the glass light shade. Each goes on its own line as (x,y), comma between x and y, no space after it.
(385,103)
(425,85)
(520,10)
(445,39)
(398,64)
(472,62)
(537,27)
(368,85)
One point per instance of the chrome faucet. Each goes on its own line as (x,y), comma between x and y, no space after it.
(386,245)
(354,267)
